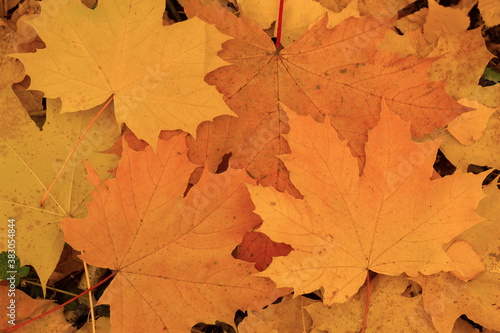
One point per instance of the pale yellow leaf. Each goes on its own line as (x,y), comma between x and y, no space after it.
(121,48)
(490,12)
(470,126)
(443,20)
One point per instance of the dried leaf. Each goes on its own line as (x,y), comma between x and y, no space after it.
(391,219)
(122,49)
(140,225)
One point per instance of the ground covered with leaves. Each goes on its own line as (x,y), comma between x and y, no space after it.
(250,166)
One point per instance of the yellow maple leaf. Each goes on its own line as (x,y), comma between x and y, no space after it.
(437,23)
(446,298)
(490,12)
(484,151)
(469,127)
(288,316)
(30,160)
(390,310)
(155,73)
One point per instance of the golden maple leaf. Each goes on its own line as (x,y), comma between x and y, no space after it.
(391,219)
(31,159)
(446,298)
(155,73)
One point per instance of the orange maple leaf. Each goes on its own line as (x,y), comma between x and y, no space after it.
(391,219)
(336,73)
(141,225)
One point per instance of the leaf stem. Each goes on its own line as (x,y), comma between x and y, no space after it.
(42,202)
(49,287)
(278,34)
(367,300)
(90,296)
(60,306)
(302,312)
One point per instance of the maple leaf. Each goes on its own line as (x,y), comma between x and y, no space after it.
(391,219)
(470,127)
(464,58)
(300,14)
(26,308)
(11,70)
(31,159)
(288,316)
(435,26)
(461,53)
(490,12)
(390,310)
(446,298)
(154,73)
(141,225)
(484,151)
(328,73)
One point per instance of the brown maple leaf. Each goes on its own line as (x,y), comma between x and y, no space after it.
(391,219)
(172,253)
(328,73)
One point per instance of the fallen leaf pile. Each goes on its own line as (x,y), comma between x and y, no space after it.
(300,184)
